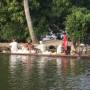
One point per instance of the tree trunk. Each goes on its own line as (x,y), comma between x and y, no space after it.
(29,22)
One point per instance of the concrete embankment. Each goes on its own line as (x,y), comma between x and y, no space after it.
(5,46)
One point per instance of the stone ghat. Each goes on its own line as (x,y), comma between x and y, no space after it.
(5,46)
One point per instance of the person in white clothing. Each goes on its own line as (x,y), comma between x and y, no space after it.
(59,48)
(41,47)
(13,46)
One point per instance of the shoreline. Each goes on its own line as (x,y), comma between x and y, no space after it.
(48,55)
(5,46)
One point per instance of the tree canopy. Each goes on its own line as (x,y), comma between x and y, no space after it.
(70,15)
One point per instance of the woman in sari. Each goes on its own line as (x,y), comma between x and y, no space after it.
(65,42)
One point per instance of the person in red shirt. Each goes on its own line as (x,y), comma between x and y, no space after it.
(65,42)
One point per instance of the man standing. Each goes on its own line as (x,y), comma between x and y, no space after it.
(13,46)
(41,47)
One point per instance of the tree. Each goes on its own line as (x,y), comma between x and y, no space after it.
(76,24)
(12,19)
(29,22)
(46,15)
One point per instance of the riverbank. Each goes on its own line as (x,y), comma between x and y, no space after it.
(5,46)
(47,43)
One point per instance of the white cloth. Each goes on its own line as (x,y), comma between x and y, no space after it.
(13,47)
(59,49)
(42,47)
(20,51)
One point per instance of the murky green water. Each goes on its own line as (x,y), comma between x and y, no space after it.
(43,73)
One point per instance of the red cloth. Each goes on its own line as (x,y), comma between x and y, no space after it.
(65,42)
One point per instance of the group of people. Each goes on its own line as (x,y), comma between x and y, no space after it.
(41,47)
(23,48)
(63,47)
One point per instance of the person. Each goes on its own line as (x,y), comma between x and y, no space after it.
(30,47)
(73,50)
(60,49)
(23,49)
(41,47)
(65,42)
(53,36)
(61,36)
(13,46)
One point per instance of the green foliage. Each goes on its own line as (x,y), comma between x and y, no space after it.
(46,15)
(76,24)
(6,33)
(12,20)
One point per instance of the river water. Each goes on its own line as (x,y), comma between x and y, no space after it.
(43,73)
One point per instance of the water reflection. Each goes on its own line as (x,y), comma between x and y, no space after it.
(59,65)
(13,60)
(72,73)
(63,65)
(73,67)
(16,60)
(46,73)
(41,64)
(20,71)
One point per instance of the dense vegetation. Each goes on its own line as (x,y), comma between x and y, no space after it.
(70,15)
